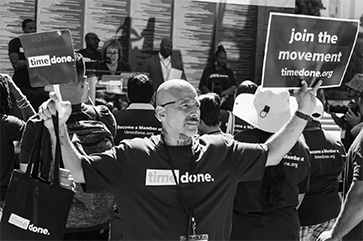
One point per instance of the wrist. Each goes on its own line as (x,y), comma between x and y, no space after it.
(303,116)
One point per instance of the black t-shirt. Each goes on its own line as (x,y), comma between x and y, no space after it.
(133,123)
(139,172)
(322,202)
(21,75)
(218,81)
(251,219)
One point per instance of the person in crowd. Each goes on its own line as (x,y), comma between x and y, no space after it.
(112,63)
(91,51)
(246,86)
(177,184)
(229,123)
(138,119)
(220,79)
(80,111)
(351,113)
(267,209)
(162,66)
(18,61)
(321,204)
(349,224)
(356,129)
(210,106)
(11,129)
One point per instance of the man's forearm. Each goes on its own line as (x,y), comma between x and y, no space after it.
(282,141)
(71,157)
(352,212)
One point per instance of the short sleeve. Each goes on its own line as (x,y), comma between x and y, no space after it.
(103,171)
(14,46)
(249,160)
(12,128)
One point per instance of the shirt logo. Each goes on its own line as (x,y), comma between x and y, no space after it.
(157,177)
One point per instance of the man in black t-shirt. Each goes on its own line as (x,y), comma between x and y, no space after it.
(91,51)
(322,203)
(18,61)
(138,119)
(172,185)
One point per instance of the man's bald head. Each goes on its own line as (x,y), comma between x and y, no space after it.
(172,90)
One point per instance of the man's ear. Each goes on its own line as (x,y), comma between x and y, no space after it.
(160,113)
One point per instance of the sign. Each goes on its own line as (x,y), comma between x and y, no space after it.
(50,58)
(309,48)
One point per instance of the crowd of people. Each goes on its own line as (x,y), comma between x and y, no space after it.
(236,162)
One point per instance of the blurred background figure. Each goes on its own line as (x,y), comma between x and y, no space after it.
(220,79)
(111,63)
(230,123)
(210,106)
(350,115)
(18,61)
(91,51)
(246,86)
(161,65)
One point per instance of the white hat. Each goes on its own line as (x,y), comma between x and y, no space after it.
(318,111)
(267,109)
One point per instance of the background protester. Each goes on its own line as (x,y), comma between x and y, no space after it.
(18,61)
(351,113)
(159,66)
(228,122)
(210,106)
(11,129)
(349,224)
(246,86)
(322,203)
(266,209)
(220,79)
(91,51)
(138,119)
(111,63)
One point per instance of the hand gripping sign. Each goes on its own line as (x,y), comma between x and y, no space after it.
(301,47)
(50,59)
